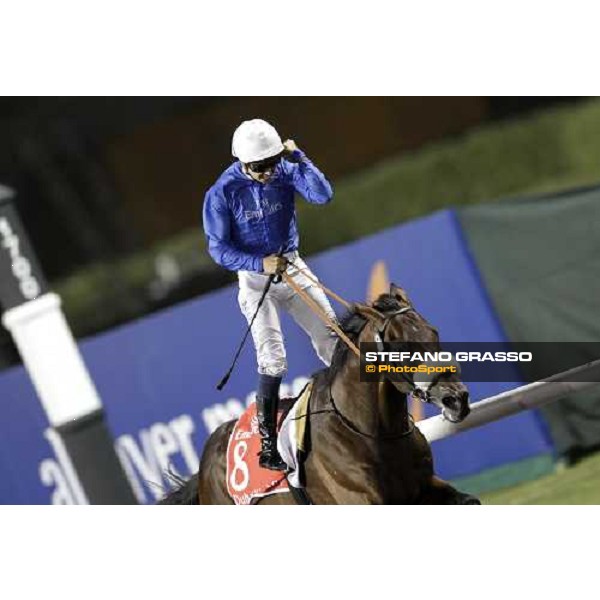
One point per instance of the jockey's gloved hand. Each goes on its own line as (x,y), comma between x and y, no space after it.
(274,265)
(291,152)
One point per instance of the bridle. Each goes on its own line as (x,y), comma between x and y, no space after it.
(379,340)
(417,391)
(380,331)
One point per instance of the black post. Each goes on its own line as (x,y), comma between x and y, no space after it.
(64,387)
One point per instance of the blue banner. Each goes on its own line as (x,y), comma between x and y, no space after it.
(157,376)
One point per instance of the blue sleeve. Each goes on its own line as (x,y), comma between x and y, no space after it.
(217,222)
(309,182)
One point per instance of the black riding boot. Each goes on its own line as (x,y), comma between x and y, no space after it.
(266,409)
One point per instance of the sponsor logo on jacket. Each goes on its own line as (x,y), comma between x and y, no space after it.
(256,215)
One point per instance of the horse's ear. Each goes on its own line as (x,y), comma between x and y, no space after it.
(370,313)
(399,293)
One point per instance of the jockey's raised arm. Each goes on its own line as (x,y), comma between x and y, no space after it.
(307,180)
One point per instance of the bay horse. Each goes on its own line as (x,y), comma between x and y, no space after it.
(364,445)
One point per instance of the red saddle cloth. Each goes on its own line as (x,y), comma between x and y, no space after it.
(246,480)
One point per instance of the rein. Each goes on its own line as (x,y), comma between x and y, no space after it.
(352,427)
(379,339)
(312,278)
(379,331)
(310,302)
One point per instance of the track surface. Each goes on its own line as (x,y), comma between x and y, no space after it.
(575,485)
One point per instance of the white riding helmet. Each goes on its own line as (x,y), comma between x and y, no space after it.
(255,140)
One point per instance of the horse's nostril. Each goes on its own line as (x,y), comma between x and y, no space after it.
(450,401)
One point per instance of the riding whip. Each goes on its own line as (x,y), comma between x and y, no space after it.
(273,278)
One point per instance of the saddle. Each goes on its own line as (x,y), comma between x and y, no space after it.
(247,481)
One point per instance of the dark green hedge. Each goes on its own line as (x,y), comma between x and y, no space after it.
(554,149)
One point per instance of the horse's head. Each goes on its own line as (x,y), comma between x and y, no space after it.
(395,320)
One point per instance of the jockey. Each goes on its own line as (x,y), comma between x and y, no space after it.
(249,217)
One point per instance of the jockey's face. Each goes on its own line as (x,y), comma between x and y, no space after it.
(263,170)
(261,177)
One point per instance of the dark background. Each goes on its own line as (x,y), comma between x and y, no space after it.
(103,177)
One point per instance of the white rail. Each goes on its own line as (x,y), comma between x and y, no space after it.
(514,401)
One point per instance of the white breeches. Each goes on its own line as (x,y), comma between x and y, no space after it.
(266,331)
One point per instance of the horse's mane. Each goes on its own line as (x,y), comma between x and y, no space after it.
(352,323)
